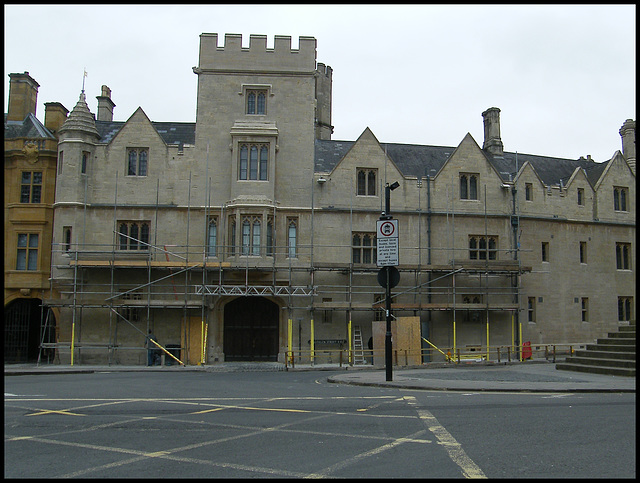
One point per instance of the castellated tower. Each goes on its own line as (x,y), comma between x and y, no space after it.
(256,119)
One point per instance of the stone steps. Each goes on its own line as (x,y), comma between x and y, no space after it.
(614,355)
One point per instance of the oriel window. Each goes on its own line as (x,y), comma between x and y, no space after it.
(254,162)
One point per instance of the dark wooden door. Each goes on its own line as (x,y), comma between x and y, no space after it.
(251,330)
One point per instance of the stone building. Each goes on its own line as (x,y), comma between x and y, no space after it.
(30,155)
(251,234)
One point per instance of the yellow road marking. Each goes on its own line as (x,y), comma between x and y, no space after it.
(208,411)
(52,411)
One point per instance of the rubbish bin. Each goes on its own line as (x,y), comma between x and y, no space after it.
(174,350)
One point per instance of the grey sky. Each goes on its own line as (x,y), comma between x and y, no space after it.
(564,76)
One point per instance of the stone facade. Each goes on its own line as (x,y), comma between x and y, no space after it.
(30,160)
(253,232)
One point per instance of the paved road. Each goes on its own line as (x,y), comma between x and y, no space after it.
(172,424)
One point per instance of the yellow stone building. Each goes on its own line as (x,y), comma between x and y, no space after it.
(30,160)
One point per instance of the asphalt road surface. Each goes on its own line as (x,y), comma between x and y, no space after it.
(296,424)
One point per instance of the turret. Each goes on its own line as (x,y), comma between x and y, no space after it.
(324,82)
(628,134)
(76,148)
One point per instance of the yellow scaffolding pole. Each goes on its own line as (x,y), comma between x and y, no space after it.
(350,340)
(487,335)
(290,338)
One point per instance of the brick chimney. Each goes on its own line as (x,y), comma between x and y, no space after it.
(105,105)
(628,134)
(23,94)
(492,141)
(55,114)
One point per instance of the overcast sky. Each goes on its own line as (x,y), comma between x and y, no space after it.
(563,77)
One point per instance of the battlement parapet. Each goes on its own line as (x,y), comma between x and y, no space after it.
(325,70)
(232,56)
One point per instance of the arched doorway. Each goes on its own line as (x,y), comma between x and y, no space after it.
(23,326)
(251,330)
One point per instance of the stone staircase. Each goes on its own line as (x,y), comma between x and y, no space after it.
(615,354)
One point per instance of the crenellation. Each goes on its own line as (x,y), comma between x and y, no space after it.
(324,70)
(231,56)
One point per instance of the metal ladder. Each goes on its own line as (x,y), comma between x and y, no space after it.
(358,350)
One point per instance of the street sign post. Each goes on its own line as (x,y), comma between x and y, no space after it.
(387,248)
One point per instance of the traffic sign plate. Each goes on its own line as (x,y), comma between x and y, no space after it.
(387,243)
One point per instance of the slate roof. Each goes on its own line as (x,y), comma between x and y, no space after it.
(30,127)
(179,133)
(419,160)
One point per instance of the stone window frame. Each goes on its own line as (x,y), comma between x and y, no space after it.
(545,252)
(366,181)
(212,237)
(362,254)
(292,236)
(583,252)
(621,198)
(246,165)
(140,166)
(584,309)
(31,191)
(467,182)
(483,247)
(27,252)
(531,310)
(250,235)
(623,256)
(625,308)
(132,236)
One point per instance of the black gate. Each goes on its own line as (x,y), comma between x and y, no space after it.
(22,330)
(251,330)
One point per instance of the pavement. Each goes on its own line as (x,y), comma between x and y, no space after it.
(528,376)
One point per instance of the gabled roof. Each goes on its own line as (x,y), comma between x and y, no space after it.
(30,127)
(420,160)
(179,133)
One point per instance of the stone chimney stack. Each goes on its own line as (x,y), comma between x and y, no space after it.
(492,141)
(55,114)
(105,105)
(23,94)
(628,134)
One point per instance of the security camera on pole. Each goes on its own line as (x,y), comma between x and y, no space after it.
(388,259)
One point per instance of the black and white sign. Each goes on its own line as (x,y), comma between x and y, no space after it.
(388,247)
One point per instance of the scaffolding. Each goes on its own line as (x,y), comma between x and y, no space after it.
(184,277)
